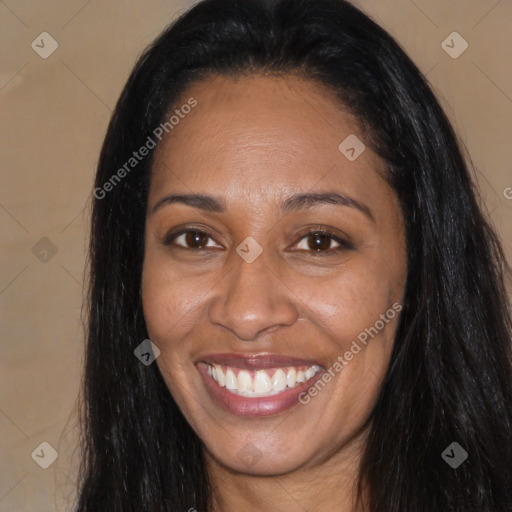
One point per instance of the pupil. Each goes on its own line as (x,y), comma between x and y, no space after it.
(195,239)
(321,242)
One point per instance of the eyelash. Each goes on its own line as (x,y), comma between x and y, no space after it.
(343,244)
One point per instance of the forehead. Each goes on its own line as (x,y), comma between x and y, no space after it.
(266,132)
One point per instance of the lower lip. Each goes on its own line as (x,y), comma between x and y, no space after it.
(254,406)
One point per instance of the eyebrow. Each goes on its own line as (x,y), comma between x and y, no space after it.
(293,203)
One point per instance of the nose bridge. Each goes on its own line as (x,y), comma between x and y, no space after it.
(252,298)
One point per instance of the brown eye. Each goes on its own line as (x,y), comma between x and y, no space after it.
(192,239)
(196,239)
(319,242)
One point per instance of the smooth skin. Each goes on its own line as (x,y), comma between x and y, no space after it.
(251,143)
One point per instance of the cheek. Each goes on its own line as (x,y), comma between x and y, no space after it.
(345,305)
(168,301)
(168,307)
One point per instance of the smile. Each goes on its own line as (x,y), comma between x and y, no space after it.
(260,383)
(257,384)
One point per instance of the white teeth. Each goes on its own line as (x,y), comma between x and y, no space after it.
(310,372)
(262,384)
(279,380)
(230,379)
(291,377)
(220,376)
(243,381)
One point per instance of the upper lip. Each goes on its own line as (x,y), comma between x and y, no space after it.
(256,361)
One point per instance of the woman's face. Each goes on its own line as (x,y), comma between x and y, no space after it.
(285,276)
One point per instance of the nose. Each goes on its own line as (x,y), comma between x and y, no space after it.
(251,300)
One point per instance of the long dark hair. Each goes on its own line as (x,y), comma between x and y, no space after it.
(450,374)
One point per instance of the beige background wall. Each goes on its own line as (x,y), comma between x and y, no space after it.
(54,115)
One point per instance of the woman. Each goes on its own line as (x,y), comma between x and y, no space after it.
(283,209)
